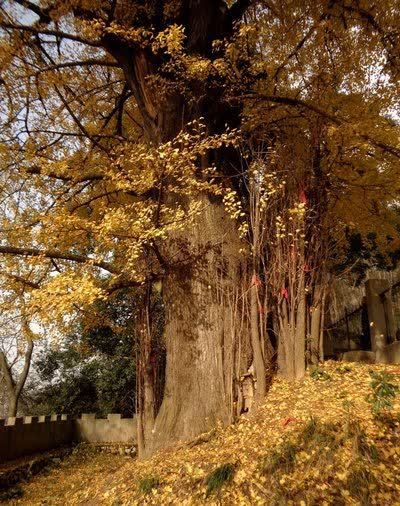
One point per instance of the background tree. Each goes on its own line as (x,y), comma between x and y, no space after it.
(93,370)
(16,351)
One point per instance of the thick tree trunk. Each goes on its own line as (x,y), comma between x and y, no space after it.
(292,340)
(199,330)
(199,325)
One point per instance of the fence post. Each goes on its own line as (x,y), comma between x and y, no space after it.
(376,313)
(387,301)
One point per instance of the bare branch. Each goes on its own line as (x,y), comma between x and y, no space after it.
(53,33)
(83,63)
(296,102)
(20,279)
(43,14)
(76,119)
(81,259)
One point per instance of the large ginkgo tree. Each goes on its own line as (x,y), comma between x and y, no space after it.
(213,154)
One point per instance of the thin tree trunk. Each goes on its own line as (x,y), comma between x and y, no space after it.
(258,354)
(300,336)
(315,334)
(315,327)
(14,390)
(145,378)
(321,329)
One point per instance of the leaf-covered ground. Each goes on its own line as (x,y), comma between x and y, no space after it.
(315,442)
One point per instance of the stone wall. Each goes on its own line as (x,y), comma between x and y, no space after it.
(32,434)
(114,429)
(389,354)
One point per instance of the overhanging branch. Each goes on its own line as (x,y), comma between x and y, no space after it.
(51,254)
(63,177)
(238,9)
(20,279)
(296,102)
(53,33)
(84,63)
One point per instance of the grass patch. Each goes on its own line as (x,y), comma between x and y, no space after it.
(148,483)
(317,434)
(359,482)
(219,477)
(319,441)
(361,446)
(283,458)
(313,451)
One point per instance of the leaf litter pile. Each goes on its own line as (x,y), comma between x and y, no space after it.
(332,438)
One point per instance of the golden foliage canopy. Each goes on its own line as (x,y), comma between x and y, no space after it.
(95,180)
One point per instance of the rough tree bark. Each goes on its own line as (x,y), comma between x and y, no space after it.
(198,330)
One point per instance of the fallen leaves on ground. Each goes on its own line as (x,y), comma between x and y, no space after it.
(360,466)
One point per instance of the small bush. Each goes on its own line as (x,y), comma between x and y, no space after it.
(319,374)
(361,446)
(344,369)
(383,392)
(148,483)
(309,429)
(368,450)
(219,477)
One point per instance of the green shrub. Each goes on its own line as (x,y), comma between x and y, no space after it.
(344,369)
(319,374)
(383,392)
